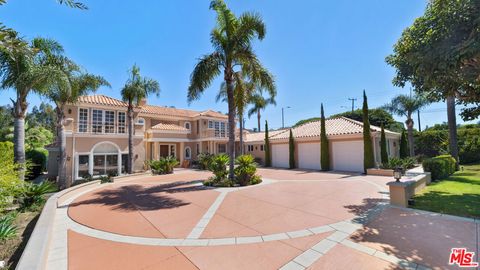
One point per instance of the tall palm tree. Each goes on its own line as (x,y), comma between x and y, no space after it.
(231,39)
(136,88)
(259,104)
(406,105)
(26,69)
(77,84)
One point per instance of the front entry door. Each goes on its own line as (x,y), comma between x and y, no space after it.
(164,150)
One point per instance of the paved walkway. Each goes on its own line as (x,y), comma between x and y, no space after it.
(293,220)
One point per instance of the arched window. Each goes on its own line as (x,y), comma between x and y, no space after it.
(106,157)
(188,152)
(187,125)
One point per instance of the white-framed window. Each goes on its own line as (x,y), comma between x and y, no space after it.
(83,120)
(217,129)
(109,122)
(250,148)
(97,121)
(198,148)
(262,147)
(121,119)
(222,129)
(210,124)
(140,121)
(187,125)
(173,150)
(188,152)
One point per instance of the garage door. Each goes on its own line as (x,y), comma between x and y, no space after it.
(348,156)
(280,155)
(309,156)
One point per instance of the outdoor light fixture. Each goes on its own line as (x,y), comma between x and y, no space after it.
(397,173)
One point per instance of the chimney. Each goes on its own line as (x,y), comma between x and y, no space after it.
(143,102)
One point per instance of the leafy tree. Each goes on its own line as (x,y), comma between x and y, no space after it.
(6,121)
(308,120)
(37,137)
(403,146)
(377,117)
(324,148)
(136,88)
(44,116)
(268,155)
(368,158)
(63,92)
(383,147)
(232,41)
(404,105)
(25,70)
(259,103)
(439,56)
(291,151)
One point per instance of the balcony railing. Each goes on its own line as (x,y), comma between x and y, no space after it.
(96,128)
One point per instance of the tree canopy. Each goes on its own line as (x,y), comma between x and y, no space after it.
(440,54)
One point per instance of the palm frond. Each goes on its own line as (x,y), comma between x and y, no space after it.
(72,4)
(203,74)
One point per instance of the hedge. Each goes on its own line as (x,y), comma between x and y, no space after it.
(441,166)
(38,160)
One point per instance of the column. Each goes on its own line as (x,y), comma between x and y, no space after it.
(119,163)
(181,153)
(90,163)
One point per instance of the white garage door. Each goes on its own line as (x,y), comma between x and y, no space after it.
(348,156)
(280,155)
(309,156)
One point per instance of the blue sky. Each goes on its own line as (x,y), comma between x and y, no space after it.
(319,51)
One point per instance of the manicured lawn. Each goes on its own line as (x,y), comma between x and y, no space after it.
(457,195)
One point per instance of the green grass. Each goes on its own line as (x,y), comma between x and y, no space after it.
(457,195)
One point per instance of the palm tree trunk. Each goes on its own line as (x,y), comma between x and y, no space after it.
(411,143)
(258,120)
(130,139)
(231,123)
(452,128)
(20,109)
(240,118)
(62,146)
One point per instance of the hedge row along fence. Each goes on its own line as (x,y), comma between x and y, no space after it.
(440,167)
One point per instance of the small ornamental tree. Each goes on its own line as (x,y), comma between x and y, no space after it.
(324,150)
(368,159)
(403,146)
(383,147)
(291,151)
(268,157)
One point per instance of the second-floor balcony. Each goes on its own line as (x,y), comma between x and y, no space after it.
(101,128)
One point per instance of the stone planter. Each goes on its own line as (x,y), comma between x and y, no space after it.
(380,172)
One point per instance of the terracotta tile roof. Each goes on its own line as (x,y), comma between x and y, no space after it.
(148,109)
(101,100)
(334,126)
(260,136)
(171,127)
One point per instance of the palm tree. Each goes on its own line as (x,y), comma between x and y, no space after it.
(66,92)
(406,105)
(136,88)
(259,104)
(232,42)
(25,68)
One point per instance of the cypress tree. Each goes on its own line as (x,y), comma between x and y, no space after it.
(383,147)
(291,151)
(403,145)
(268,157)
(324,150)
(368,159)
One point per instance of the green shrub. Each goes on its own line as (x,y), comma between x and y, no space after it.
(33,194)
(404,145)
(205,160)
(268,155)
(368,158)
(7,229)
(383,146)
(164,165)
(106,179)
(469,145)
(404,163)
(324,147)
(245,172)
(440,167)
(38,161)
(10,184)
(219,168)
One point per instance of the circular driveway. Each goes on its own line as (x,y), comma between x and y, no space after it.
(287,201)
